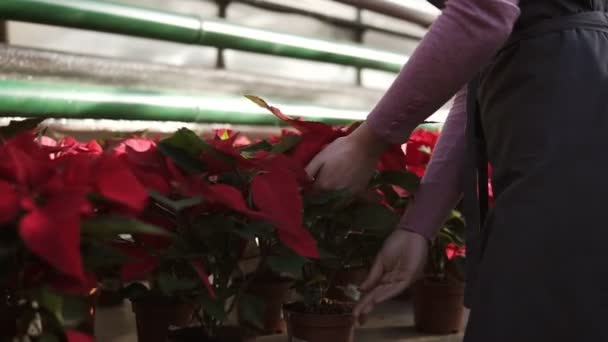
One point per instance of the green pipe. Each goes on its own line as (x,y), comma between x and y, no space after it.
(75,101)
(130,20)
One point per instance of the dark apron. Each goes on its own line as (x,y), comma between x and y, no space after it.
(537,261)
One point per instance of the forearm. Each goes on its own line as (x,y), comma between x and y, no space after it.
(441,186)
(464,37)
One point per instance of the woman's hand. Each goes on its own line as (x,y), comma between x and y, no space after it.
(398,264)
(348,163)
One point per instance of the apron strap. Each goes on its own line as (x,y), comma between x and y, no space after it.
(475,200)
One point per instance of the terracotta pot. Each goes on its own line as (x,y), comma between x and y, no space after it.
(8,323)
(153,316)
(439,306)
(307,327)
(196,334)
(109,293)
(275,292)
(352,276)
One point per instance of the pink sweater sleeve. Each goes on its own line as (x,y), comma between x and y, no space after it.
(463,38)
(441,186)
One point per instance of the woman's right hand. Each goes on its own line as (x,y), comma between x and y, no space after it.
(349,162)
(398,264)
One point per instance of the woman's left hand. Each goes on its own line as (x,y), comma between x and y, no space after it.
(349,162)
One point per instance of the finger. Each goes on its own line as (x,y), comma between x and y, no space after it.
(365,313)
(313,168)
(362,311)
(374,275)
(391,291)
(363,304)
(362,320)
(395,277)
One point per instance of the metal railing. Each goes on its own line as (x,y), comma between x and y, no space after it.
(141,22)
(73,101)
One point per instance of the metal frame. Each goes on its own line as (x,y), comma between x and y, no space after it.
(393,10)
(355,26)
(111,17)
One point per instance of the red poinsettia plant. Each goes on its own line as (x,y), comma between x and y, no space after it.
(349,228)
(61,203)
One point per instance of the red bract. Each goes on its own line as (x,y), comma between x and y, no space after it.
(315,135)
(225,157)
(75,336)
(229,197)
(392,160)
(278,162)
(146,163)
(140,263)
(115,181)
(52,230)
(419,149)
(277,195)
(452,251)
(9,203)
(70,145)
(23,161)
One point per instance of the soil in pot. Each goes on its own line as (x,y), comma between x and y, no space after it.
(332,322)
(439,306)
(274,292)
(343,278)
(154,315)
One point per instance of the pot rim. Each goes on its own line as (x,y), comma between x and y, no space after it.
(431,280)
(308,314)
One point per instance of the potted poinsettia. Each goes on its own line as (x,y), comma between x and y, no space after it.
(217,197)
(349,231)
(62,201)
(439,295)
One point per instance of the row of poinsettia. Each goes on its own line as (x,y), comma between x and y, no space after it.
(66,206)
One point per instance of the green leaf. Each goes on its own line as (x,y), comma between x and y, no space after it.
(325,254)
(252,310)
(324,198)
(291,264)
(181,158)
(187,141)
(260,146)
(214,308)
(374,217)
(49,338)
(96,255)
(170,285)
(253,229)
(287,142)
(52,302)
(185,148)
(175,206)
(75,309)
(257,100)
(16,127)
(110,226)
(405,179)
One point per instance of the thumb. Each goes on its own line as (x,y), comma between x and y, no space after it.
(374,276)
(314,166)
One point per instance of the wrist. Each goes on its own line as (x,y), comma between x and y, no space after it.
(365,137)
(410,230)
